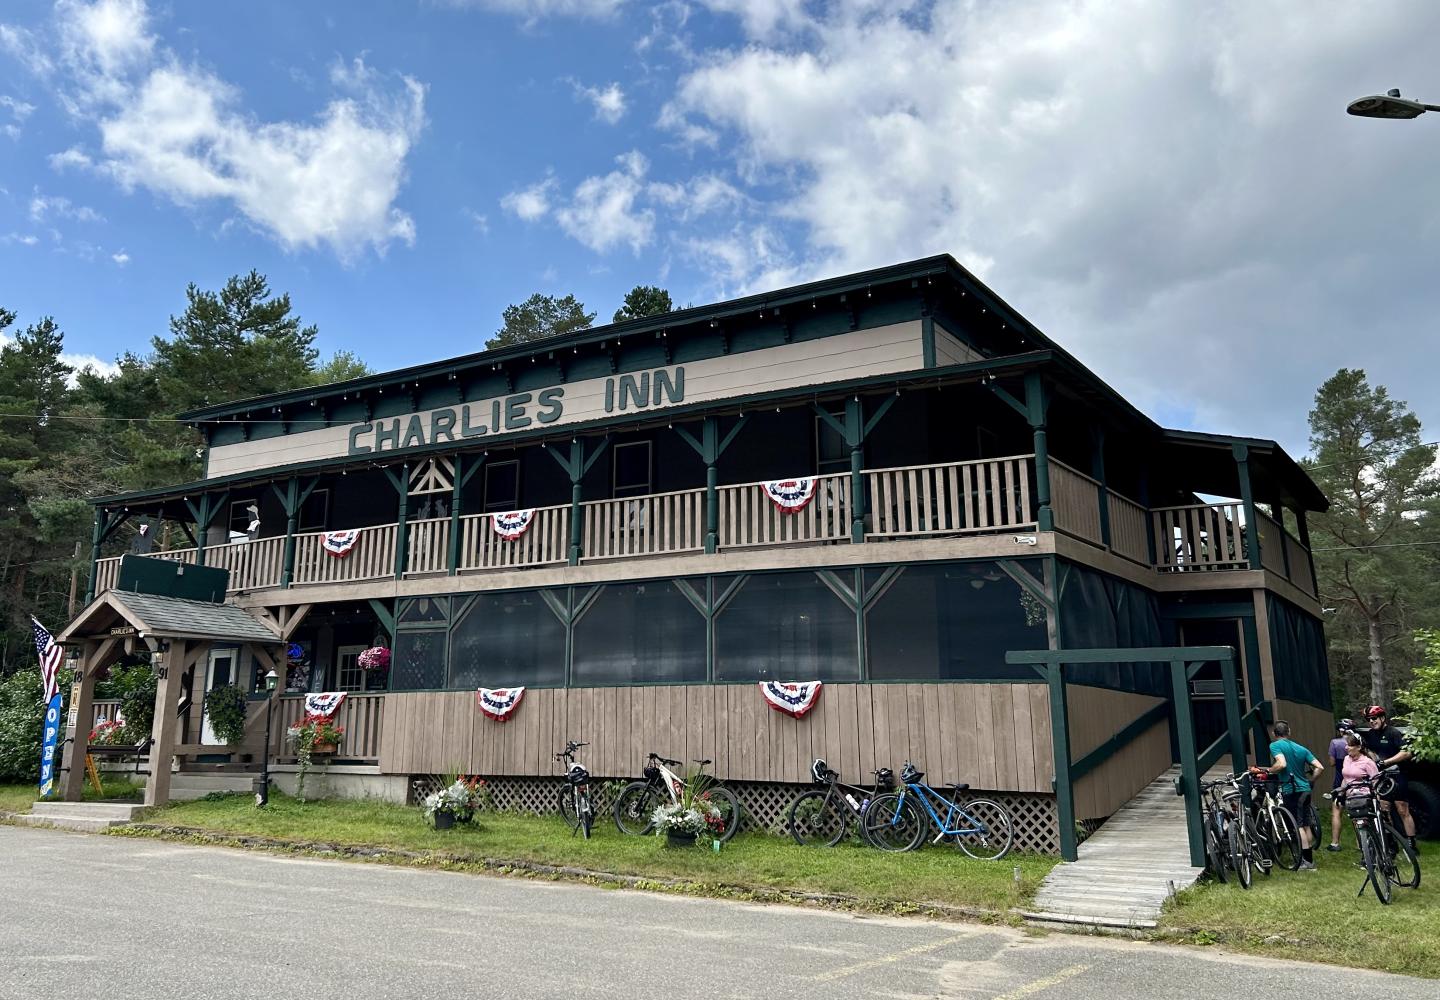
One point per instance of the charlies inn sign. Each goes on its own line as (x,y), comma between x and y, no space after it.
(856,354)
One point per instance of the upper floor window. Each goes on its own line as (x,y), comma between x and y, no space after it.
(831,452)
(244,519)
(502,486)
(315,511)
(632,469)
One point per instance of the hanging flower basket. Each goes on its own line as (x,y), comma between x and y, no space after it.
(375,658)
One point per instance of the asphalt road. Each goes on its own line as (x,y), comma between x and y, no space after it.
(86,916)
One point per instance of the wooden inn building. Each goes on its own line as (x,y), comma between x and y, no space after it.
(977,491)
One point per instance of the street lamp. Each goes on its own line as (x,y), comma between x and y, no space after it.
(1390,105)
(262,783)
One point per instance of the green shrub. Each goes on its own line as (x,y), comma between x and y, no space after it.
(1422,699)
(225,708)
(22,714)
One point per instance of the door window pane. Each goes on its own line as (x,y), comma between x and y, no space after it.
(502,486)
(786,627)
(953,621)
(508,639)
(351,676)
(639,633)
(418,661)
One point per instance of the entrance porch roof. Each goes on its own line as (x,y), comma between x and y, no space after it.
(153,615)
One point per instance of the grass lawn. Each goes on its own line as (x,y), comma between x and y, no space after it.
(892,882)
(18,798)
(1315,915)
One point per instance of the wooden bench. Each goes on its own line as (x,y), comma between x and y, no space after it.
(139,751)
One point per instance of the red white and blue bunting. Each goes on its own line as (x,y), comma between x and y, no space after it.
(324,704)
(513,523)
(498,703)
(790,496)
(795,698)
(339,543)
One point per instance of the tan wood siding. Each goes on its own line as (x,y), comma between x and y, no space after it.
(995,736)
(1096,714)
(950,350)
(854,355)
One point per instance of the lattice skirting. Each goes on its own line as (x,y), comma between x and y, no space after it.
(766,804)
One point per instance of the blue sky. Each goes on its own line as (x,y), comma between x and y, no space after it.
(1174,194)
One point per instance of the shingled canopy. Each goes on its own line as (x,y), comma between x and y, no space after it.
(179,633)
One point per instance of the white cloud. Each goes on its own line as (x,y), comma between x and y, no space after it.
(19,110)
(122,258)
(74,157)
(609,101)
(763,18)
(24,239)
(23,45)
(46,207)
(183,133)
(534,10)
(1179,199)
(78,362)
(479,220)
(696,197)
(602,212)
(531,203)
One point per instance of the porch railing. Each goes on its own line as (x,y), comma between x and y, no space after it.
(1272,543)
(429,547)
(1127,529)
(361,715)
(1300,574)
(645,526)
(252,564)
(372,557)
(1200,537)
(957,498)
(1075,499)
(547,540)
(749,518)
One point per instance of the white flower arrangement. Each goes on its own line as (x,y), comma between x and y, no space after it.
(698,817)
(460,798)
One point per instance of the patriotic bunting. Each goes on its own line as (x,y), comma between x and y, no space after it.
(339,543)
(324,704)
(790,496)
(512,524)
(795,698)
(498,703)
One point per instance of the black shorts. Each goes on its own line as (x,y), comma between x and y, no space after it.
(1399,792)
(1299,805)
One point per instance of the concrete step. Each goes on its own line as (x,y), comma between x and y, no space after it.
(123,811)
(79,824)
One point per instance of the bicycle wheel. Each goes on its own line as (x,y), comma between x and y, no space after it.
(996,833)
(1215,848)
(634,807)
(815,820)
(893,823)
(567,807)
(1239,852)
(1404,866)
(1374,868)
(585,810)
(1283,834)
(724,800)
(1259,851)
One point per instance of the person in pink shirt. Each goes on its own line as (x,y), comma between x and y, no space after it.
(1357,763)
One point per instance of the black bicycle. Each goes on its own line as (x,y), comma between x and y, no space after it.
(820,817)
(1231,840)
(577,807)
(1387,856)
(1274,824)
(636,804)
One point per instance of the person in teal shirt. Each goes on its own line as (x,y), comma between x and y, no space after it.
(1297,767)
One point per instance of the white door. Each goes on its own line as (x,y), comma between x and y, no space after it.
(349,675)
(219,671)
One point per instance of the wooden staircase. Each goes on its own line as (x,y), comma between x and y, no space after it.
(1128,868)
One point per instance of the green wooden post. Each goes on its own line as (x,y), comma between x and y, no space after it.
(1037,407)
(710,455)
(101,516)
(1064,788)
(1189,767)
(1144,499)
(292,516)
(1304,532)
(577,513)
(1284,549)
(1234,728)
(402,527)
(452,558)
(855,438)
(1097,469)
(202,533)
(1247,499)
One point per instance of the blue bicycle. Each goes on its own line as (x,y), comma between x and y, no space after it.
(980,827)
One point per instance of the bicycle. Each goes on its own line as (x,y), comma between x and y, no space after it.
(1275,825)
(1231,840)
(576,806)
(635,806)
(819,817)
(894,822)
(1213,820)
(1387,857)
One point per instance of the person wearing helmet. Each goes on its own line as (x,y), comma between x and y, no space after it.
(1337,758)
(1387,744)
(1296,767)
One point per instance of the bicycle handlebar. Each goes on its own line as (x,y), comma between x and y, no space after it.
(665,760)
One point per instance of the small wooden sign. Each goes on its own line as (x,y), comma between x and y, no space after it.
(123,630)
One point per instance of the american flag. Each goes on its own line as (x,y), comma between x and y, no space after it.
(50,653)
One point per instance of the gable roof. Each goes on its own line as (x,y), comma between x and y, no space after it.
(173,618)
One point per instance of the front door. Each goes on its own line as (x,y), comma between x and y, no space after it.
(219,671)
(1207,686)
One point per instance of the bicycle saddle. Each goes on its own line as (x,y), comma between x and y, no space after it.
(702,763)
(960,786)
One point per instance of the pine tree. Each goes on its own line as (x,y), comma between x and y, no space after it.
(642,301)
(538,317)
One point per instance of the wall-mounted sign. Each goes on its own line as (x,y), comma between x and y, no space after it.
(123,630)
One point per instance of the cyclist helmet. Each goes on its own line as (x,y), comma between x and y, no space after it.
(818,771)
(909,774)
(1345,725)
(884,778)
(1375,712)
(577,775)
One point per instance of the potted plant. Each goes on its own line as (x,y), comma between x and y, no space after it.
(692,818)
(111,733)
(225,710)
(456,802)
(314,734)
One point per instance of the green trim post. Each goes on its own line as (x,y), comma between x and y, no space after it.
(402,526)
(1037,407)
(292,519)
(1247,499)
(1233,725)
(101,516)
(1284,549)
(452,557)
(1304,531)
(577,513)
(927,339)
(855,438)
(1064,784)
(1144,499)
(1097,469)
(1189,767)
(203,517)
(710,447)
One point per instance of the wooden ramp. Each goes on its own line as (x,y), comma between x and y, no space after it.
(1128,868)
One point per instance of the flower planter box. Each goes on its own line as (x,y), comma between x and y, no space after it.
(444,819)
(323,749)
(677,839)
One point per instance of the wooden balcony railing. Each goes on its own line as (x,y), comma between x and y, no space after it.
(1128,535)
(1272,543)
(1200,537)
(1075,498)
(546,541)
(749,518)
(253,565)
(958,498)
(371,558)
(645,526)
(429,547)
(361,715)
